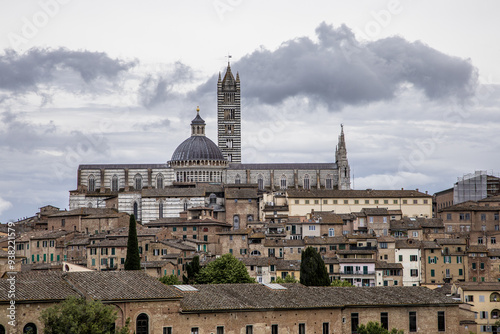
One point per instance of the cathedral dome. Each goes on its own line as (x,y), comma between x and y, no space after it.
(197,148)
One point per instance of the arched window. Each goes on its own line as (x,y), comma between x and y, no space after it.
(30,328)
(236,222)
(306,182)
(329,181)
(89,205)
(136,210)
(249,218)
(260,182)
(114,183)
(91,182)
(2,329)
(495,297)
(160,210)
(185,205)
(237,179)
(142,324)
(138,181)
(159,181)
(255,253)
(283,182)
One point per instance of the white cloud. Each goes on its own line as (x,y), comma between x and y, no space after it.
(4,205)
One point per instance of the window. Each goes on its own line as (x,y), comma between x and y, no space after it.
(481,298)
(167,330)
(306,201)
(480,240)
(395,201)
(433,273)
(249,329)
(236,222)
(469,298)
(220,329)
(30,328)
(367,201)
(414,272)
(413,258)
(138,181)
(405,201)
(260,182)
(413,321)
(459,259)
(195,330)
(401,258)
(142,324)
(483,315)
(448,216)
(312,228)
(493,240)
(159,181)
(415,201)
(302,328)
(237,179)
(481,266)
(441,321)
(136,210)
(415,234)
(326,328)
(91,184)
(274,329)
(354,322)
(383,245)
(331,232)
(384,320)
(306,185)
(473,266)
(283,185)
(329,181)
(376,201)
(371,219)
(160,210)
(386,201)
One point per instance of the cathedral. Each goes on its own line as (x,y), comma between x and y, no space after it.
(199,169)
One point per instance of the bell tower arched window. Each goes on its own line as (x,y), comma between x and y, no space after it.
(329,181)
(160,210)
(237,179)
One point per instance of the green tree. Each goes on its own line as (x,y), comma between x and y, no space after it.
(312,269)
(78,315)
(225,269)
(339,282)
(373,327)
(192,269)
(170,280)
(288,279)
(133,260)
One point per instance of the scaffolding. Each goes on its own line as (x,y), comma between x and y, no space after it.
(471,187)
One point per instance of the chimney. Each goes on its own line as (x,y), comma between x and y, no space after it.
(402,188)
(417,189)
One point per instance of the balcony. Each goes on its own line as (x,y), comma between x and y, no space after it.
(356,272)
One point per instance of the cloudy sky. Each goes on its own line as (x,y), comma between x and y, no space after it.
(416,85)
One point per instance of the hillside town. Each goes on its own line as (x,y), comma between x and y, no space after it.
(410,256)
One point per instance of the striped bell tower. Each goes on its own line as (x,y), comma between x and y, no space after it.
(229,116)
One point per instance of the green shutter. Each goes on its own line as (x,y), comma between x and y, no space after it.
(429,259)
(460,272)
(58,258)
(33,258)
(432,272)
(51,257)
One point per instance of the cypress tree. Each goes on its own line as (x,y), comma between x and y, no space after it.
(312,269)
(133,260)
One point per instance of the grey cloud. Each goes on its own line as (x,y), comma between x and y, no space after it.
(338,70)
(24,72)
(157,89)
(161,124)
